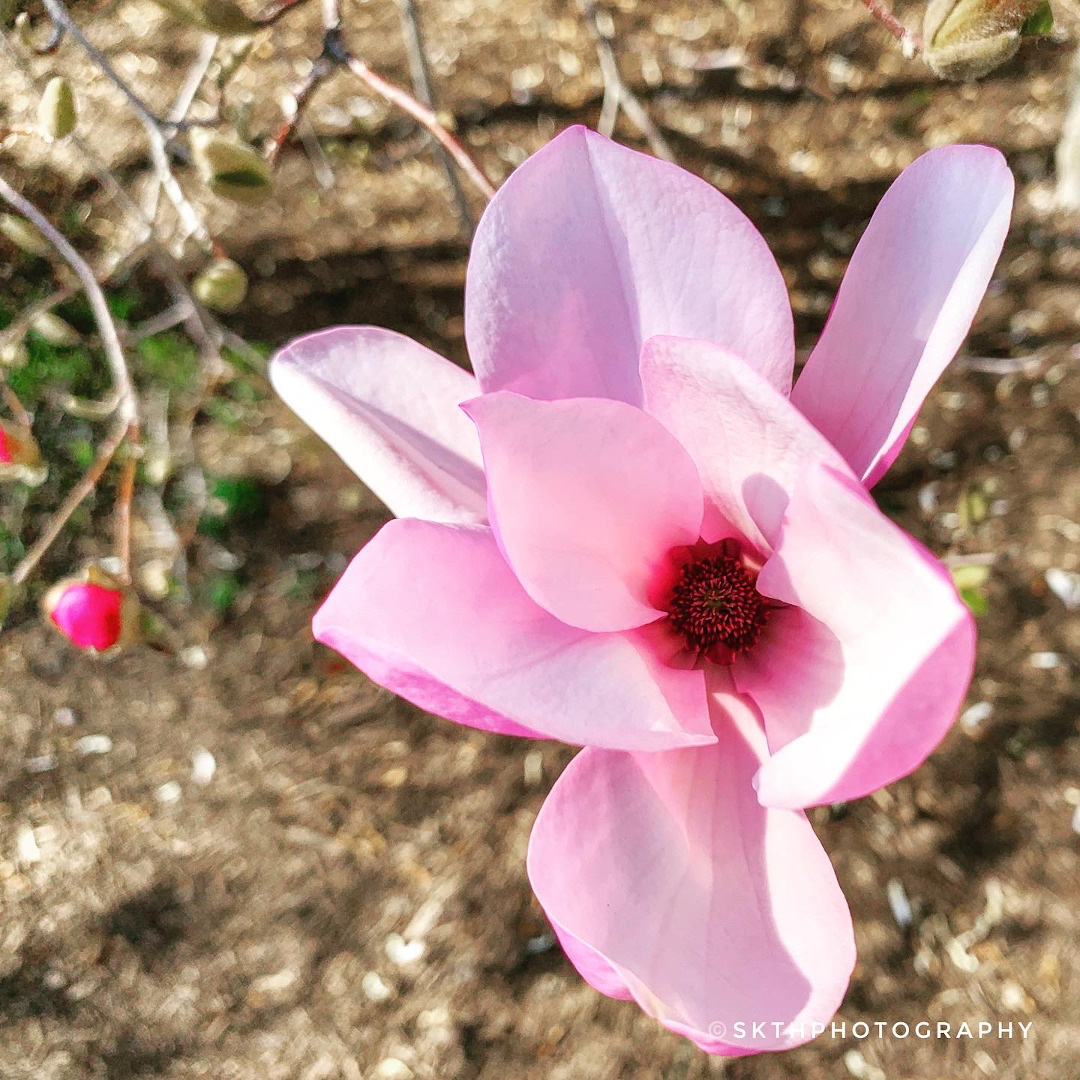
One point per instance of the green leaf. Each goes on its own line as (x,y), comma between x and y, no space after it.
(975,600)
(1040,23)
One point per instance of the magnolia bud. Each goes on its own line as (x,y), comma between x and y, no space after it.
(56,113)
(221,286)
(966,39)
(22,30)
(93,610)
(18,450)
(23,235)
(217,16)
(55,331)
(232,169)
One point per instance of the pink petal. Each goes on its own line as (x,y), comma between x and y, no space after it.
(89,616)
(590,248)
(666,879)
(906,303)
(587,497)
(433,612)
(860,689)
(389,407)
(748,441)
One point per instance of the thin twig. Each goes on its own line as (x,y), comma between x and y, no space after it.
(335,53)
(423,88)
(61,17)
(427,119)
(617,94)
(124,495)
(910,41)
(106,452)
(110,341)
(17,408)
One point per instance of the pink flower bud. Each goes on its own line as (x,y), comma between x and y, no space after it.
(93,611)
(17,446)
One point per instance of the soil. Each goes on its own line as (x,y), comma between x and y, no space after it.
(345,896)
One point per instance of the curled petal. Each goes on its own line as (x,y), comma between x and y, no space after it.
(389,407)
(432,612)
(906,302)
(748,441)
(590,248)
(858,688)
(587,497)
(667,881)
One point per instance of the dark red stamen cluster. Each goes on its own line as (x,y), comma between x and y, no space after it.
(714,602)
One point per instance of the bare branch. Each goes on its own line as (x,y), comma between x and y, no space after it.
(420,71)
(616,93)
(910,41)
(110,341)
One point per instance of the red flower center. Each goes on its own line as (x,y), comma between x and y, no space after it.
(714,602)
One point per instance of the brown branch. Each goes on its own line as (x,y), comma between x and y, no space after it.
(910,41)
(335,54)
(106,452)
(423,88)
(617,94)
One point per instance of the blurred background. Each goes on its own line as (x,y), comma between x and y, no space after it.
(234,857)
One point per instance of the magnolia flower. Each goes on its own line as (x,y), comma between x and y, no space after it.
(633,535)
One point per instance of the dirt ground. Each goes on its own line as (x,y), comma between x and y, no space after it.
(252,863)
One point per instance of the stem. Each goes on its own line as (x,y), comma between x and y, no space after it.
(617,94)
(18,409)
(420,71)
(427,119)
(912,43)
(106,452)
(124,496)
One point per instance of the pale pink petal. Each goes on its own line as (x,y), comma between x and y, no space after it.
(389,407)
(862,687)
(590,248)
(433,612)
(666,879)
(587,498)
(748,441)
(906,303)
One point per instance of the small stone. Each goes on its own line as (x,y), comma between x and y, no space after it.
(94,744)
(393,1068)
(1045,661)
(27,851)
(1065,585)
(169,792)
(974,715)
(374,989)
(203,767)
(402,952)
(41,764)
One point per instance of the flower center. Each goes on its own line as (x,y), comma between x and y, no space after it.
(714,602)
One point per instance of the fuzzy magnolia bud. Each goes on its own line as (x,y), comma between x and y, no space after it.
(216,16)
(17,448)
(232,169)
(23,235)
(93,610)
(966,39)
(221,286)
(56,113)
(55,331)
